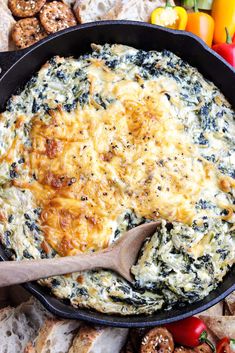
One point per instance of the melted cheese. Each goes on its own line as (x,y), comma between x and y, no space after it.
(91,165)
(92,146)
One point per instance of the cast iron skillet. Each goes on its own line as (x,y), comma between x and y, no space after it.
(18,67)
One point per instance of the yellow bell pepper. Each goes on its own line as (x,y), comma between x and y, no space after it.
(223,13)
(174,17)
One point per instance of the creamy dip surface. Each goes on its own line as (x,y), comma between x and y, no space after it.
(96,145)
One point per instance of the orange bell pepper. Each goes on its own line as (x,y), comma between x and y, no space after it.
(201,24)
(223,13)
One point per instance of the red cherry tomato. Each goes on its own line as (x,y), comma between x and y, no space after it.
(223,346)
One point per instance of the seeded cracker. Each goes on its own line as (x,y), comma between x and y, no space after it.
(27,32)
(25,8)
(56,16)
(158,337)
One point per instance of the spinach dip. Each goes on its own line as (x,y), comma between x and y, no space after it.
(95,145)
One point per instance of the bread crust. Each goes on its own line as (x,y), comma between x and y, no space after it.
(56,16)
(121,9)
(84,341)
(29,348)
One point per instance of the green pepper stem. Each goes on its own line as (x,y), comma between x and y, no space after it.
(203,339)
(168,3)
(195,6)
(228,37)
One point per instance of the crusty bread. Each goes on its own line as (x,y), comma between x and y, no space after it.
(99,340)
(29,348)
(56,336)
(138,10)
(230,300)
(95,10)
(6,23)
(20,325)
(221,326)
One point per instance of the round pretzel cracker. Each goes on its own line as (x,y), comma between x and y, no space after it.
(27,32)
(55,16)
(157,340)
(25,8)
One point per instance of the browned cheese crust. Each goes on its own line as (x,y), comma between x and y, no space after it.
(56,16)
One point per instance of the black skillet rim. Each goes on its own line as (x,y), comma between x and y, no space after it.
(64,310)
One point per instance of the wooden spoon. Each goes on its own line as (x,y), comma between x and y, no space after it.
(118,257)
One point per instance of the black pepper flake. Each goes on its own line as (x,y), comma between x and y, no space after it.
(72,181)
(37,211)
(84,198)
(21,160)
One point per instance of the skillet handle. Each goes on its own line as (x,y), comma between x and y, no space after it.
(8,59)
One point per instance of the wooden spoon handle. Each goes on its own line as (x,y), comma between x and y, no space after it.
(15,272)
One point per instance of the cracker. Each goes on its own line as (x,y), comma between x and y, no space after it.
(56,16)
(25,8)
(157,337)
(27,32)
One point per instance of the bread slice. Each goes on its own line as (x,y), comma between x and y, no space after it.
(221,326)
(20,325)
(6,23)
(29,348)
(99,340)
(96,10)
(55,336)
(138,10)
(230,300)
